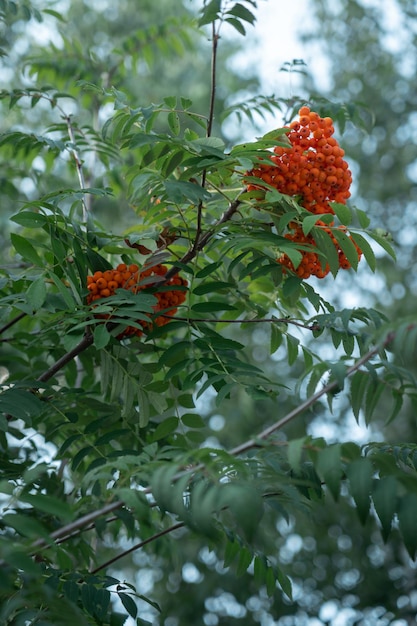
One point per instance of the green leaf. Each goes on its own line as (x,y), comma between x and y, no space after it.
(374,392)
(26,249)
(271,584)
(210,12)
(338,373)
(363,218)
(49,504)
(36,294)
(368,253)
(358,385)
(174,122)
(21,404)
(192,420)
(347,247)
(245,559)
(343,213)
(294,452)
(29,219)
(25,525)
(329,468)
(230,553)
(276,338)
(22,561)
(236,25)
(209,269)
(186,103)
(240,11)
(176,352)
(101,336)
(327,247)
(382,240)
(407,515)
(292,347)
(165,428)
(212,286)
(63,290)
(259,570)
(284,582)
(309,222)
(360,474)
(186,400)
(171,101)
(384,496)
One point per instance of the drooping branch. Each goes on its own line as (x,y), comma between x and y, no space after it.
(250,444)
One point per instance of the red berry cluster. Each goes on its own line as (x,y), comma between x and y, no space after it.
(312,167)
(104,284)
(310,264)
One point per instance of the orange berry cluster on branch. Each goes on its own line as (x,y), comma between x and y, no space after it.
(104,284)
(310,264)
(311,167)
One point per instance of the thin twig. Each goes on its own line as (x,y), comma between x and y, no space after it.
(138,546)
(188,256)
(78,164)
(262,320)
(215,38)
(12,322)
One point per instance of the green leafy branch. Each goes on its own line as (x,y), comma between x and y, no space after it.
(86,520)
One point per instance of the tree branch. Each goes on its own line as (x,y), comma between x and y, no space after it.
(192,253)
(72,527)
(252,443)
(85,343)
(262,320)
(12,322)
(78,163)
(215,40)
(138,546)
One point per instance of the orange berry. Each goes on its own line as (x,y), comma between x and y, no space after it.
(101,283)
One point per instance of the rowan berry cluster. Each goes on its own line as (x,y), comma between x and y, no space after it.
(311,167)
(310,264)
(104,284)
